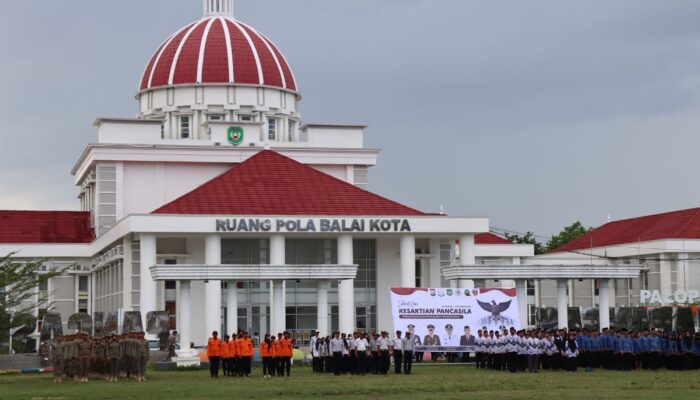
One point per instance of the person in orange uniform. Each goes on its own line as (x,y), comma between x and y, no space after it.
(266,355)
(277,353)
(287,352)
(247,353)
(225,356)
(214,353)
(239,355)
(233,349)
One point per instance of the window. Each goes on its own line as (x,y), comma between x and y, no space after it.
(272,129)
(215,117)
(290,131)
(185,127)
(83,284)
(246,118)
(419,273)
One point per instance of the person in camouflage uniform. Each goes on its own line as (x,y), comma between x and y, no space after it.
(58,360)
(85,354)
(143,354)
(72,364)
(114,355)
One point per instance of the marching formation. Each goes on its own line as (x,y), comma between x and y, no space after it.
(234,355)
(80,356)
(360,353)
(567,350)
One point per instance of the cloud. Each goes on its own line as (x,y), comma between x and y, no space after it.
(534,113)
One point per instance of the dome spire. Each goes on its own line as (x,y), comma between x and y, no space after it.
(218,7)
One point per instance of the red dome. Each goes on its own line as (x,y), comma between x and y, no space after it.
(218,49)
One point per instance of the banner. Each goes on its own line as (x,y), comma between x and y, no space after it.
(446,320)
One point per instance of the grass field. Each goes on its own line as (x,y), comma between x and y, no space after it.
(427,382)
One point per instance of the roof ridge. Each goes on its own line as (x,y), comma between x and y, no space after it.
(281,185)
(314,170)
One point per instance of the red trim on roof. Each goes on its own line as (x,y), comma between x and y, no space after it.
(272,184)
(215,68)
(215,61)
(188,60)
(45,227)
(683,224)
(490,238)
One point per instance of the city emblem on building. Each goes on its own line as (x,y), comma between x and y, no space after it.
(235,135)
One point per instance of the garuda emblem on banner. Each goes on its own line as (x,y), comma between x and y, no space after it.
(235,135)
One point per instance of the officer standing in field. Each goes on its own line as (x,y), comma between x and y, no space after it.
(407,345)
(384,343)
(58,360)
(144,353)
(114,354)
(214,354)
(336,348)
(397,352)
(85,354)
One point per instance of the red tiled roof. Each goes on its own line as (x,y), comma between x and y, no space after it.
(218,49)
(683,224)
(271,184)
(34,227)
(490,238)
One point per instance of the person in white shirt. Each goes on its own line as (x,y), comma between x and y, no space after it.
(314,351)
(397,352)
(361,345)
(533,353)
(384,343)
(336,348)
(407,346)
(479,349)
(352,354)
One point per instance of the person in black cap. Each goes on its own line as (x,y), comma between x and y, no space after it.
(431,340)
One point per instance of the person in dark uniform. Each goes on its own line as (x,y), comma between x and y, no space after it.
(467,340)
(432,340)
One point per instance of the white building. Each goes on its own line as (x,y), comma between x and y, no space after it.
(218,205)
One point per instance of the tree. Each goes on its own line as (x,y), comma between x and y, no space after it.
(528,238)
(571,232)
(18,300)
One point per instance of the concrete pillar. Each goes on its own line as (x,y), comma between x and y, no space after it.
(682,272)
(467,256)
(184,321)
(408,261)
(232,307)
(148,285)
(322,308)
(278,310)
(212,289)
(562,303)
(665,274)
(279,313)
(346,288)
(521,290)
(604,303)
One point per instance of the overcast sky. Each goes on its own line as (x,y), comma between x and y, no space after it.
(533,113)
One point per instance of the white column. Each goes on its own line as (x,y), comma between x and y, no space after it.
(147,296)
(278,256)
(467,256)
(184,321)
(346,288)
(278,307)
(521,290)
(664,275)
(322,308)
(408,261)
(232,307)
(604,303)
(682,273)
(212,289)
(562,303)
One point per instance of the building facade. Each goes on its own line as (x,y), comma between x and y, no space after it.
(217,205)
